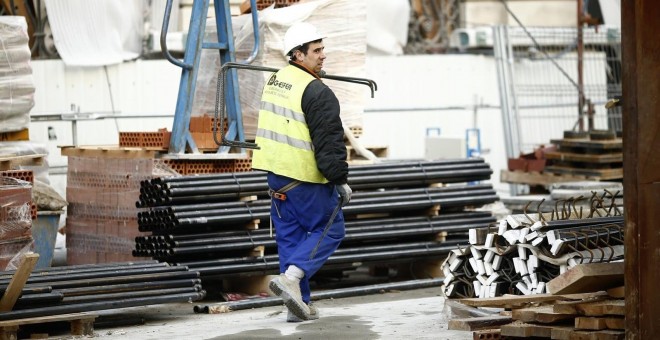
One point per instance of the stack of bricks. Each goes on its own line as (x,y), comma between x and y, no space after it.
(101,223)
(208,166)
(102,192)
(15,217)
(201,130)
(159,140)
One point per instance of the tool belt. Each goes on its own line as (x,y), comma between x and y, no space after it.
(281,193)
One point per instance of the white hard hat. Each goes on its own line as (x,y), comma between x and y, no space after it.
(298,34)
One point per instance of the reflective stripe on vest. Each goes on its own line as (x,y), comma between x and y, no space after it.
(282,132)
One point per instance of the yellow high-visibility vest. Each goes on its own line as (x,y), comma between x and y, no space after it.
(282,132)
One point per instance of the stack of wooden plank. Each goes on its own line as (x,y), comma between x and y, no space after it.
(568,314)
(596,156)
(593,158)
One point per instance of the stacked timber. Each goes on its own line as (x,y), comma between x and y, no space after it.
(398,213)
(597,155)
(600,319)
(595,315)
(579,156)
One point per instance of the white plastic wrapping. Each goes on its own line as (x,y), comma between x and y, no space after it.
(15,210)
(344,24)
(28,148)
(16,84)
(96,33)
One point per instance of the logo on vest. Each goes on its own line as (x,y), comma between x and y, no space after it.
(274,82)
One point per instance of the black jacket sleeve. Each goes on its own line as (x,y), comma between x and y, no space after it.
(321,109)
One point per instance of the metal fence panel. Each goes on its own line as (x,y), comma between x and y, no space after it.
(538,72)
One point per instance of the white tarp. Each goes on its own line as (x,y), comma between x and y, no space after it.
(16,83)
(96,33)
(387,26)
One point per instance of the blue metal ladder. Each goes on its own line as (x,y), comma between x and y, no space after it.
(181,140)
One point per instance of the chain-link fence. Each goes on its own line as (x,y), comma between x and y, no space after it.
(539,79)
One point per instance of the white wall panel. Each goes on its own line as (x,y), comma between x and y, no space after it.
(417,93)
(139,87)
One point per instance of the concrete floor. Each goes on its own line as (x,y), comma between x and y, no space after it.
(413,314)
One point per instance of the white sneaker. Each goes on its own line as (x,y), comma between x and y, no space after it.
(313,315)
(289,291)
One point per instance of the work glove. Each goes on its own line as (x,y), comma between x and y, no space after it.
(345,193)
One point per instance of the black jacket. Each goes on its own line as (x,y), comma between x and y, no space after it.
(321,109)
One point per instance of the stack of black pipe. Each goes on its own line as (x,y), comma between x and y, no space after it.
(84,288)
(196,220)
(165,191)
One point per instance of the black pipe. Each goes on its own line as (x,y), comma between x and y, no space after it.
(130,295)
(211,188)
(225,261)
(127,287)
(236,235)
(263,213)
(97,268)
(387,205)
(121,279)
(261,178)
(30,290)
(420,163)
(372,233)
(94,275)
(260,188)
(352,169)
(210,206)
(31,300)
(104,305)
(356,177)
(322,295)
(379,253)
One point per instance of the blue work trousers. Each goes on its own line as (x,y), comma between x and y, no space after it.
(299,223)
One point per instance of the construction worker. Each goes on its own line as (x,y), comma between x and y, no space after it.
(300,136)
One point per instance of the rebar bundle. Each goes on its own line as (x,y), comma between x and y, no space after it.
(523,252)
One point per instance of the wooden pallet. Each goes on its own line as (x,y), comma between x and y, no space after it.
(616,157)
(81,324)
(615,144)
(378,151)
(600,174)
(573,316)
(15,135)
(12,162)
(541,178)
